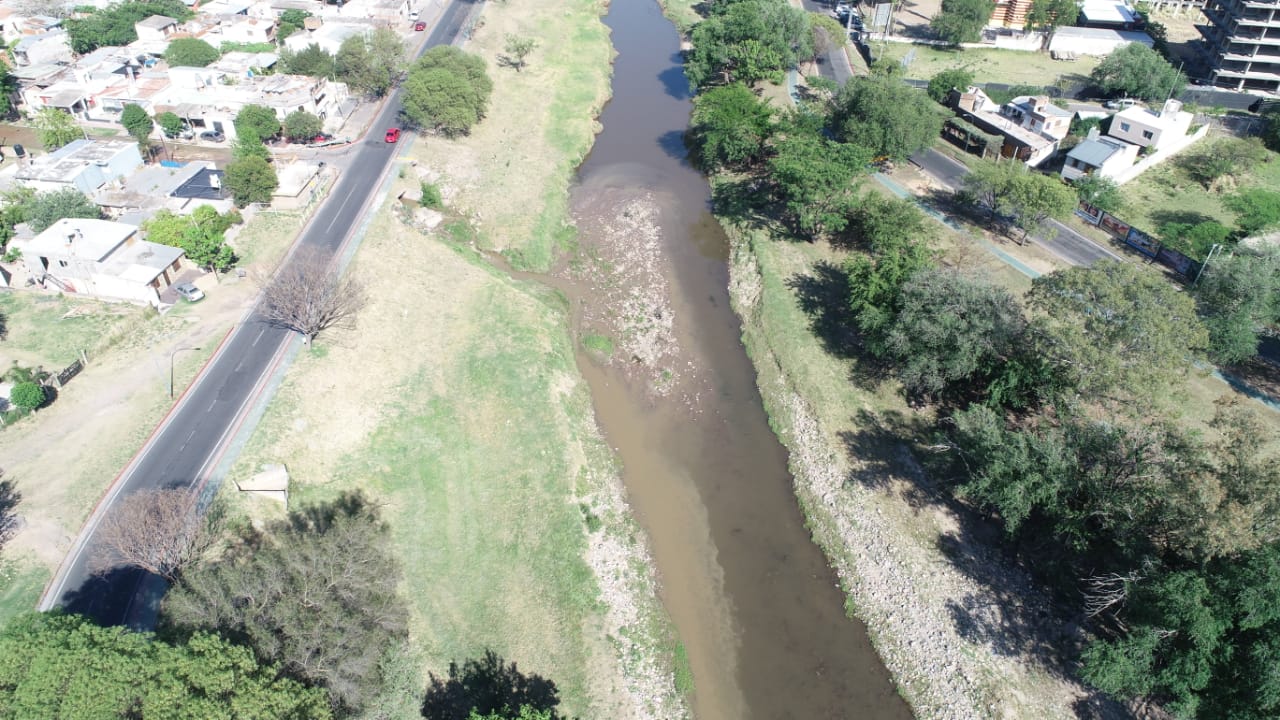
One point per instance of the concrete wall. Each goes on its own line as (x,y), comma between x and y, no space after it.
(1154,159)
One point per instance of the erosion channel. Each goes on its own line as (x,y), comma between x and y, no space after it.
(756,607)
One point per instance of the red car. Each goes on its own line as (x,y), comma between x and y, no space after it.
(419,27)
(393,135)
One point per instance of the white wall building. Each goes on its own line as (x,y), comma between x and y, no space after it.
(1097,42)
(1156,130)
(1099,155)
(85,165)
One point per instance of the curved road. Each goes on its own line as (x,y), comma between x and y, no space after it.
(190,442)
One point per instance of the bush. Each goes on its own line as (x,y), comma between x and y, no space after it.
(447,90)
(27,395)
(944,82)
(431,196)
(191,52)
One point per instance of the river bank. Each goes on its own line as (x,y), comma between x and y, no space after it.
(456,402)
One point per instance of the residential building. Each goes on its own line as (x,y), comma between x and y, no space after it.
(85,165)
(1243,40)
(100,258)
(209,99)
(1099,155)
(1097,42)
(47,47)
(178,188)
(1109,14)
(1156,130)
(1031,126)
(248,30)
(156,27)
(329,36)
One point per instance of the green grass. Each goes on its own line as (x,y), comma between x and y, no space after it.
(600,344)
(988,65)
(684,672)
(20,586)
(37,326)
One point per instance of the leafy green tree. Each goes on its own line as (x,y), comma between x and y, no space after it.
(28,395)
(1114,326)
(14,205)
(961,21)
(8,89)
(1226,156)
(191,52)
(885,116)
(1257,209)
(48,208)
(316,593)
(371,64)
(170,123)
(1194,240)
(815,178)
(311,61)
(989,186)
(518,48)
(201,235)
(301,126)
(950,332)
(894,238)
(941,84)
(1136,70)
(257,120)
(63,666)
(447,90)
(1035,198)
(1050,14)
(729,127)
(113,26)
(55,127)
(1100,192)
(251,180)
(291,21)
(137,122)
(247,145)
(747,42)
(1238,295)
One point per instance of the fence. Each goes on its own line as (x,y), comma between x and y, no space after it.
(64,376)
(1140,241)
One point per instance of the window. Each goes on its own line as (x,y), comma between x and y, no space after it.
(1124,126)
(1147,134)
(62,263)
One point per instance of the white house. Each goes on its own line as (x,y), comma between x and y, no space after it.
(209,99)
(1099,155)
(85,165)
(1157,130)
(101,258)
(1031,125)
(249,30)
(156,27)
(48,47)
(328,36)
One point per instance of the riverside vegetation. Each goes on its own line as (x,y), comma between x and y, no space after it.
(1059,416)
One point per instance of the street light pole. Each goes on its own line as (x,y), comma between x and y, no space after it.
(1216,247)
(171,355)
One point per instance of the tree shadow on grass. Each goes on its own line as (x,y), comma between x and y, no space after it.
(823,294)
(744,202)
(488,685)
(1160,218)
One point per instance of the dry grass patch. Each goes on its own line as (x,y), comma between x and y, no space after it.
(457,403)
(1011,67)
(511,175)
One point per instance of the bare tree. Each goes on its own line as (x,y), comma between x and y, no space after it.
(160,531)
(308,297)
(9,521)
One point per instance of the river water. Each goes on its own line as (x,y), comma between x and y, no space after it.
(753,600)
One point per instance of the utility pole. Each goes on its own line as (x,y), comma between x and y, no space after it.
(1216,247)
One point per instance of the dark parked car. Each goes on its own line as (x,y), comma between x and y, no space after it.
(212,136)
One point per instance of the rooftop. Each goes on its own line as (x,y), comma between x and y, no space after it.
(142,261)
(157,22)
(1165,119)
(1028,104)
(65,163)
(28,40)
(1096,152)
(1106,11)
(80,238)
(1084,33)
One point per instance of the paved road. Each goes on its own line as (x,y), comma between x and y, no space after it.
(189,445)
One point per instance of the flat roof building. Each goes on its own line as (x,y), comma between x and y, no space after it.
(1243,38)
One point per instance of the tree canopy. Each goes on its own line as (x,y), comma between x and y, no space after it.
(45,209)
(371,65)
(201,235)
(311,61)
(1136,70)
(1100,192)
(1257,209)
(190,52)
(63,666)
(729,127)
(137,122)
(894,238)
(941,84)
(815,179)
(961,21)
(1114,326)
(1238,296)
(1049,14)
(302,126)
(251,180)
(748,41)
(447,90)
(257,120)
(55,127)
(315,592)
(886,116)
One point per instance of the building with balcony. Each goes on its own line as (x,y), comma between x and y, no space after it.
(1243,40)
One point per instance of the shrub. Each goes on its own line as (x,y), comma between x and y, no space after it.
(27,395)
(431,196)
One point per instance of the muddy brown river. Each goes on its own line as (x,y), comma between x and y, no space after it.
(753,600)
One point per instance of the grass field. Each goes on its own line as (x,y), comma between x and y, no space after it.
(473,427)
(1167,194)
(1012,67)
(51,330)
